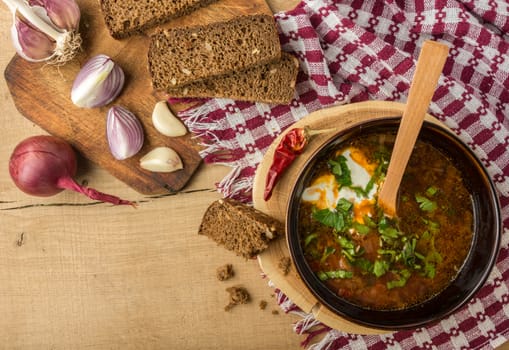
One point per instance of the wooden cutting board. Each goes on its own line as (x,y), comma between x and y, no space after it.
(42,94)
(340,118)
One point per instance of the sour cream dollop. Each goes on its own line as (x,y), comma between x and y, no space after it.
(325,192)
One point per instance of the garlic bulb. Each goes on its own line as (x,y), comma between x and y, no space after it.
(124,133)
(98,82)
(162,160)
(45,30)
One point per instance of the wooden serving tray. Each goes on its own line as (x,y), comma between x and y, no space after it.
(42,94)
(340,117)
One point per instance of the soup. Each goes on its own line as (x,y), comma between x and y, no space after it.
(372,260)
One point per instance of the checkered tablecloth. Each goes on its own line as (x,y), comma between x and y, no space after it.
(359,50)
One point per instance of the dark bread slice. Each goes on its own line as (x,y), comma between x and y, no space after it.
(273,82)
(239,227)
(125,18)
(180,56)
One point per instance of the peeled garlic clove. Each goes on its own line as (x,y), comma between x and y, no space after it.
(124,132)
(165,122)
(162,160)
(98,83)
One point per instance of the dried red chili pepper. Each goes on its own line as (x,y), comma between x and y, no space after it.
(291,145)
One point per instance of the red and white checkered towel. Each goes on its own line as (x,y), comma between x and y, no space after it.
(359,50)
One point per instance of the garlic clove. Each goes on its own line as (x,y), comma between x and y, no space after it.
(64,14)
(166,122)
(162,160)
(31,44)
(98,82)
(124,133)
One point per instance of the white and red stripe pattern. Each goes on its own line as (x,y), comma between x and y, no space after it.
(366,50)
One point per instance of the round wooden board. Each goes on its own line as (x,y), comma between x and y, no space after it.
(340,117)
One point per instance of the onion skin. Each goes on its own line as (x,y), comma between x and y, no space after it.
(124,133)
(44,166)
(98,82)
(48,156)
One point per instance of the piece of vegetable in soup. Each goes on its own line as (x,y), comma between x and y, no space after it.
(368,258)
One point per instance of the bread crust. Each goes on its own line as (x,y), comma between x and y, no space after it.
(273,82)
(239,228)
(180,56)
(126,18)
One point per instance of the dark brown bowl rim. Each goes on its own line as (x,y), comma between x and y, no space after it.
(474,272)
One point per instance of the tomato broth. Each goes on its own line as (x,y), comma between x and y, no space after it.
(372,260)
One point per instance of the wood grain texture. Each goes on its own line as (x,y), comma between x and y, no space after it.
(424,82)
(339,118)
(42,94)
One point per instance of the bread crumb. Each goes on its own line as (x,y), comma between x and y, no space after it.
(263,304)
(275,312)
(284,265)
(224,272)
(238,295)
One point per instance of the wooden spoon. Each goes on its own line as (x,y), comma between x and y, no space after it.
(427,72)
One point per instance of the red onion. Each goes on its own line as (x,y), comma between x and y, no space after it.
(98,82)
(124,133)
(44,166)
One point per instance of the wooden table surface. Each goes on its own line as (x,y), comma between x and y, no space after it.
(76,274)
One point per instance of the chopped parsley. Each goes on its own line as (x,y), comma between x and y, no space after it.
(340,169)
(431,191)
(425,204)
(326,275)
(328,251)
(339,219)
(310,238)
(380,267)
(403,276)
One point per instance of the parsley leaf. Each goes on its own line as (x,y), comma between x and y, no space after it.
(425,204)
(360,228)
(339,219)
(325,275)
(328,251)
(348,248)
(344,205)
(431,191)
(341,171)
(329,218)
(408,253)
(369,221)
(403,275)
(364,264)
(380,268)
(429,270)
(310,238)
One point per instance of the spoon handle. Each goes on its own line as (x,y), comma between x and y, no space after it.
(427,72)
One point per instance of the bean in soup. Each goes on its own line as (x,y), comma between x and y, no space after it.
(372,260)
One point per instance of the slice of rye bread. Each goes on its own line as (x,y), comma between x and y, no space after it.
(125,18)
(273,82)
(239,227)
(180,56)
